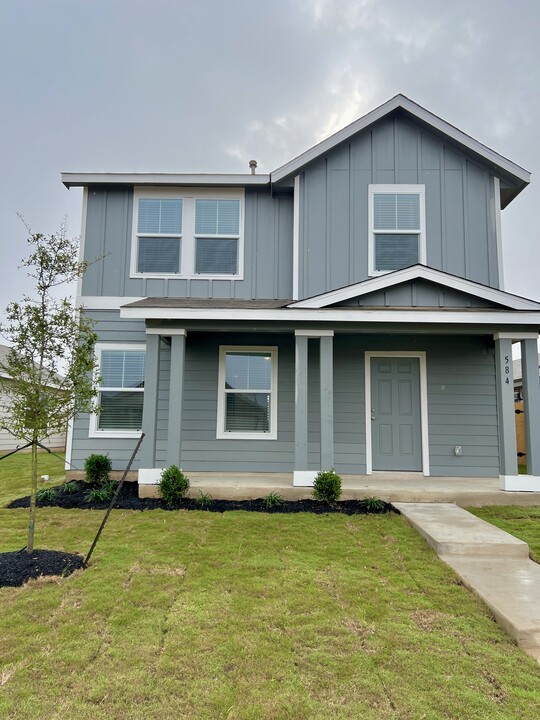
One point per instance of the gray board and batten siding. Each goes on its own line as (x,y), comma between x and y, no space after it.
(268,235)
(418,293)
(459,199)
(461,403)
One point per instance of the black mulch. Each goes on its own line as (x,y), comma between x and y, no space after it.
(129,500)
(16,568)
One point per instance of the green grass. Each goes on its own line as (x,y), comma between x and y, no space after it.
(15,474)
(523,522)
(246,616)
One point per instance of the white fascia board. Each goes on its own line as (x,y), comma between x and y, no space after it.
(339,315)
(103,302)
(400,101)
(418,272)
(84,179)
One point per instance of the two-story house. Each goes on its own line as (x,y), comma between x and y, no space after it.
(346,310)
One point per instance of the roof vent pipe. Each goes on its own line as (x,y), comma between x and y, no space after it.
(253,166)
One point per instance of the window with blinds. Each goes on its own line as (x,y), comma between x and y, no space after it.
(159,232)
(217,231)
(397,227)
(188,232)
(247,404)
(121,390)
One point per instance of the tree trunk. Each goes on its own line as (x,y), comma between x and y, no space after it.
(33,492)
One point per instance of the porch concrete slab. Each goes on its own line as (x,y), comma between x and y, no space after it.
(450,530)
(511,590)
(392,487)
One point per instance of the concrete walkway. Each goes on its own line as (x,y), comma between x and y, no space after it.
(491,562)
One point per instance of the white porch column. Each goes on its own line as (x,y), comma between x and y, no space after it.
(531,398)
(508,469)
(176,393)
(149,421)
(301,472)
(327,402)
(302,476)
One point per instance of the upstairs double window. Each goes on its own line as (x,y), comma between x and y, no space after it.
(397,227)
(188,234)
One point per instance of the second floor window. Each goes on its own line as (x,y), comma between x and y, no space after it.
(159,233)
(194,232)
(397,227)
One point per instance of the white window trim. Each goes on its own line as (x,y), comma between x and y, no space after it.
(221,434)
(187,253)
(93,428)
(396,189)
(424,421)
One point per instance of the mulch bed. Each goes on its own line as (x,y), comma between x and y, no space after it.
(129,500)
(16,568)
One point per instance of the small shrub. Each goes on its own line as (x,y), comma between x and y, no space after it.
(173,485)
(97,468)
(46,494)
(203,500)
(68,488)
(374,504)
(273,500)
(327,486)
(102,493)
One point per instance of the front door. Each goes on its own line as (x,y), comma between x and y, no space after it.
(395,414)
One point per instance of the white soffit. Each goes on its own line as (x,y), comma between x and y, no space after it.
(418,272)
(400,101)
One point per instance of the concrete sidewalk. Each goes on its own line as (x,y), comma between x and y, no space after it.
(492,563)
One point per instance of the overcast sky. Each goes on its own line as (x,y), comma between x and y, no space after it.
(206,85)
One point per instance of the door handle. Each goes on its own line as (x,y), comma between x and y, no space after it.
(373,413)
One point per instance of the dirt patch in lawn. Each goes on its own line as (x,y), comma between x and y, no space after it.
(16,568)
(76,497)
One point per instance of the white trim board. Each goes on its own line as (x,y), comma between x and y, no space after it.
(424,423)
(73,179)
(418,272)
(400,101)
(296,238)
(339,315)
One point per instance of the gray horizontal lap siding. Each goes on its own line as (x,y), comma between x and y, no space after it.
(461,403)
(460,215)
(267,251)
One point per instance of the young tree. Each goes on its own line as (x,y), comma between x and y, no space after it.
(51,365)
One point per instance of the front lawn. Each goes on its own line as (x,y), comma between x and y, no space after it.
(250,616)
(523,522)
(15,474)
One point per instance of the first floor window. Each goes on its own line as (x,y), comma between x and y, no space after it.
(247,403)
(121,390)
(397,226)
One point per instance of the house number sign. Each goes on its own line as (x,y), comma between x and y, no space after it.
(507,369)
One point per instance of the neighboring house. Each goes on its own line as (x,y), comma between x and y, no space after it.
(7,441)
(518,378)
(346,310)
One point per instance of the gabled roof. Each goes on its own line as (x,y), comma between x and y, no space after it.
(417,272)
(518,175)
